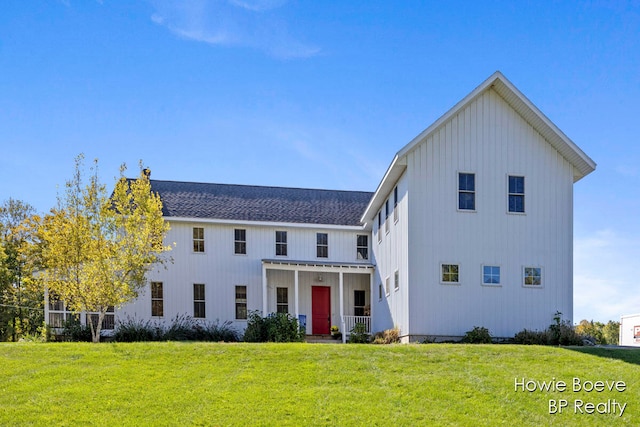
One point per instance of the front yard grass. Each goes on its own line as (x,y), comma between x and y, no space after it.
(181,384)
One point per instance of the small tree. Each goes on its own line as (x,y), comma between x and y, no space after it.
(96,249)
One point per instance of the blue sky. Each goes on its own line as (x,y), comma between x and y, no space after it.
(321,95)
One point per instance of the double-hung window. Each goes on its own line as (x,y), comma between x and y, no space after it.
(467,191)
(281,243)
(198,301)
(157,299)
(379,226)
(198,239)
(386,216)
(516,194)
(395,204)
(240,241)
(282,300)
(362,246)
(241,302)
(322,245)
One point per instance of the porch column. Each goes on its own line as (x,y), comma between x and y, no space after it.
(372,278)
(264,290)
(342,324)
(296,289)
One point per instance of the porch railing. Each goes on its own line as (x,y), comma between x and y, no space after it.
(351,321)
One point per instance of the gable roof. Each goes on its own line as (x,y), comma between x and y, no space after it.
(582,164)
(260,204)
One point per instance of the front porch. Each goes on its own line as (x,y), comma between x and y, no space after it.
(319,294)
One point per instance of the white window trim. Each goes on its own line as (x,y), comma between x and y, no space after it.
(490,285)
(246,251)
(522,277)
(396,205)
(203,240)
(518,175)
(442,282)
(475,192)
(387,286)
(396,283)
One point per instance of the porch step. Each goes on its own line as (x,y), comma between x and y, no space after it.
(322,339)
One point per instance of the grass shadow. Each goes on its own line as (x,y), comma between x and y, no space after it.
(625,354)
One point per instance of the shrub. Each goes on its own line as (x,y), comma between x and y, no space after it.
(74,331)
(276,327)
(134,330)
(478,335)
(390,336)
(527,337)
(216,332)
(358,334)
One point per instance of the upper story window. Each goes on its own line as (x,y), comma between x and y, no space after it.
(157,299)
(467,191)
(386,216)
(322,245)
(198,239)
(379,226)
(396,280)
(362,246)
(516,194)
(395,204)
(240,241)
(281,243)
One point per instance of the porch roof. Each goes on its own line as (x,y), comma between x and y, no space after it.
(287,264)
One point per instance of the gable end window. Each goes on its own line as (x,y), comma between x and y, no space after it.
(379,226)
(281,243)
(322,245)
(362,246)
(198,239)
(516,194)
(198,301)
(386,216)
(467,191)
(450,273)
(157,300)
(240,241)
(532,276)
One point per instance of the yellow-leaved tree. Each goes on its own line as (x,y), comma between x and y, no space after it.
(97,249)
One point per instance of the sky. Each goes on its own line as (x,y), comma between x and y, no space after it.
(319,95)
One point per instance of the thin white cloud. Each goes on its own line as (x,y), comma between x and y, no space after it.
(253,24)
(605,280)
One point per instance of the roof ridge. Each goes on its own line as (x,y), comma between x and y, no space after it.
(260,186)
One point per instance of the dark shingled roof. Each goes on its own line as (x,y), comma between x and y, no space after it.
(256,203)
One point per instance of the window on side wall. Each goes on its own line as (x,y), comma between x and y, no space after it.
(387,288)
(198,239)
(386,216)
(395,204)
(282,300)
(379,226)
(516,194)
(322,245)
(450,273)
(241,302)
(532,276)
(491,275)
(199,310)
(396,280)
(240,241)
(157,299)
(362,246)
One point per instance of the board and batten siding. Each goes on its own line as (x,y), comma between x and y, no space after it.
(390,255)
(488,138)
(221,270)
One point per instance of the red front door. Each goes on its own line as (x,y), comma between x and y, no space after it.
(320,310)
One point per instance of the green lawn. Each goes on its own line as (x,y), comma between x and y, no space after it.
(306,384)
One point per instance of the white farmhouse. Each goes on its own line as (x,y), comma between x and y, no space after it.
(471,225)
(630,330)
